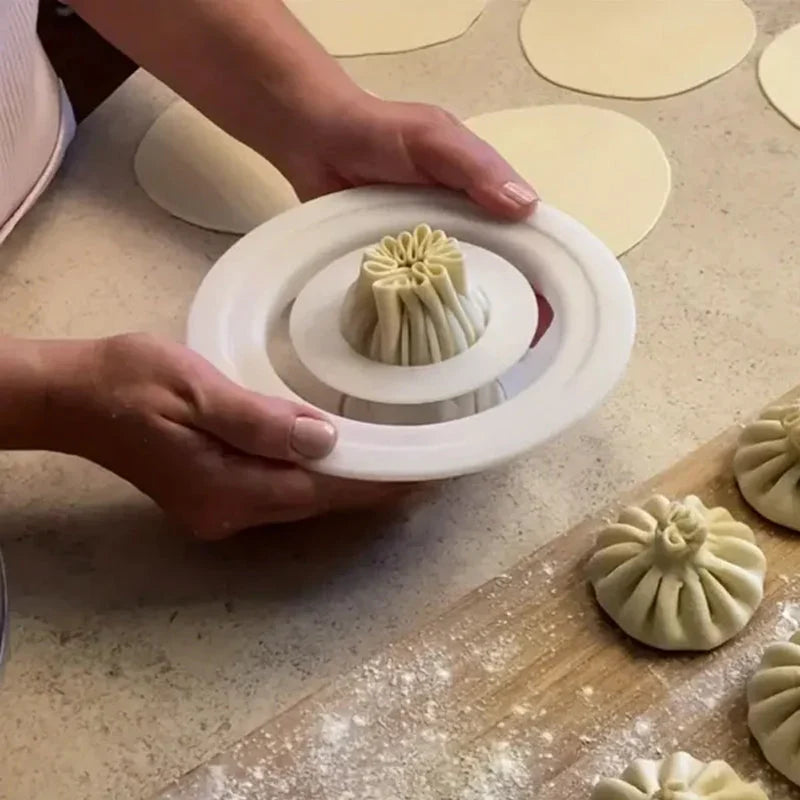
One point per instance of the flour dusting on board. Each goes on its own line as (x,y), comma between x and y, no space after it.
(430,723)
(334,729)
(723,679)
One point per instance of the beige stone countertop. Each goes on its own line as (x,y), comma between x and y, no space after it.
(136,654)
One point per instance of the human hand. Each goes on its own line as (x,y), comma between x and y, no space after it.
(369,141)
(216,457)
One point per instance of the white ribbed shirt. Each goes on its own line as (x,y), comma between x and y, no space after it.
(36,122)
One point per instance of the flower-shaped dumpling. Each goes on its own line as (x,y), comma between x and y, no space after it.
(773,698)
(677,777)
(767,465)
(678,575)
(411,304)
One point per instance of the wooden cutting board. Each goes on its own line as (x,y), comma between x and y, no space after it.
(524,689)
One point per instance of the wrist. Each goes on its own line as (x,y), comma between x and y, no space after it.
(40,379)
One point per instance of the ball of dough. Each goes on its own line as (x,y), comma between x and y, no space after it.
(678,575)
(411,304)
(677,777)
(767,464)
(773,699)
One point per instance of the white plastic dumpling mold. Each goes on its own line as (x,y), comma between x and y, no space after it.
(309,257)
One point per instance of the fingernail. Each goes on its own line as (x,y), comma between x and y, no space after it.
(312,438)
(520,194)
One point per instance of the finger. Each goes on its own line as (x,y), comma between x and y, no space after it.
(455,157)
(251,492)
(270,427)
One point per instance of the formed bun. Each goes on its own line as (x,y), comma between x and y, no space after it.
(677,777)
(678,575)
(767,465)
(773,699)
(411,304)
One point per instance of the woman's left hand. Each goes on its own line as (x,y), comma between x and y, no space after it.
(377,141)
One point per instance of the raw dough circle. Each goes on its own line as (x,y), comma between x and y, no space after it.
(767,464)
(677,777)
(200,174)
(635,48)
(601,167)
(678,575)
(773,702)
(778,69)
(370,27)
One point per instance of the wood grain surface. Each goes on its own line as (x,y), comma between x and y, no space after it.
(523,689)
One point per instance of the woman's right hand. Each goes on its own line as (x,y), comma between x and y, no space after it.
(216,457)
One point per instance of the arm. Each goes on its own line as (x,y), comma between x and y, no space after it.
(247,64)
(251,67)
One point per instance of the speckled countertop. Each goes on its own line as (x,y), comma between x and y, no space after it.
(136,654)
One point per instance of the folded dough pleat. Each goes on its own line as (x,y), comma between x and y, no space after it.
(411,304)
(767,464)
(677,777)
(616,789)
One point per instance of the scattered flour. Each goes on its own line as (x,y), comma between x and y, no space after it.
(335,729)
(498,774)
(396,732)
(790,619)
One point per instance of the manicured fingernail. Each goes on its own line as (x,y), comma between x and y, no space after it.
(313,438)
(520,194)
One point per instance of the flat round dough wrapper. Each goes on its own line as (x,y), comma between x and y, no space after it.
(635,48)
(200,174)
(371,27)
(778,71)
(601,167)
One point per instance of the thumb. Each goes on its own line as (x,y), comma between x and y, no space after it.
(454,156)
(270,427)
